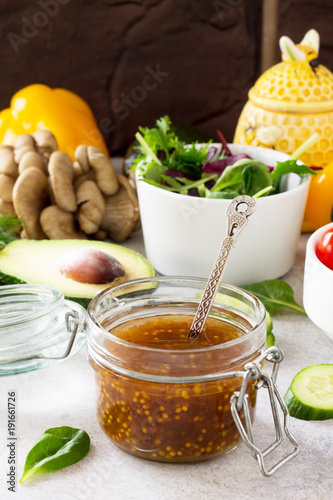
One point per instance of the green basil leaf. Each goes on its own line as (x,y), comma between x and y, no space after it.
(290,167)
(56,449)
(275,294)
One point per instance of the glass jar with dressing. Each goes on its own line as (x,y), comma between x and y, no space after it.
(165,397)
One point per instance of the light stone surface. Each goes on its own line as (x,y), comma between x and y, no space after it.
(64,394)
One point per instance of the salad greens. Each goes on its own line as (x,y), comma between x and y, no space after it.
(206,170)
(56,449)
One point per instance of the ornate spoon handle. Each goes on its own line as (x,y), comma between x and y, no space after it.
(237,214)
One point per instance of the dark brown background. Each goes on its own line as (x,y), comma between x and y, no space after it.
(206,55)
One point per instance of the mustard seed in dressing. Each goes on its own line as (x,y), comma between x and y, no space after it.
(172,421)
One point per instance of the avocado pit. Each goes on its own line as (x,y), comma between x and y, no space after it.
(90,266)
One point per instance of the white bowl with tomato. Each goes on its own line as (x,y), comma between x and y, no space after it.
(318,279)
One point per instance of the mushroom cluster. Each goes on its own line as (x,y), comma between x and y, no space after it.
(57,199)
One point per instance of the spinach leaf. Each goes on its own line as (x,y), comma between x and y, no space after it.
(223,195)
(289,167)
(275,294)
(232,176)
(255,178)
(56,449)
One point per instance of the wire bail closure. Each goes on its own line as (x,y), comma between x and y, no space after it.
(239,401)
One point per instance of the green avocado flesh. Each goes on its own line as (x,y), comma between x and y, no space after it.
(40,262)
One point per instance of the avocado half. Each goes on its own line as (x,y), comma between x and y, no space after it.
(66,264)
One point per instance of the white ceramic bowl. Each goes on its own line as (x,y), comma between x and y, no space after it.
(183,234)
(318,286)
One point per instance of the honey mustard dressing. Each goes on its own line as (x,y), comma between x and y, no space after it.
(165,421)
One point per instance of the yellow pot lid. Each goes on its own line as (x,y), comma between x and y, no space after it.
(298,84)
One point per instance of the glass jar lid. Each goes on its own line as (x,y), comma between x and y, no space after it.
(37,328)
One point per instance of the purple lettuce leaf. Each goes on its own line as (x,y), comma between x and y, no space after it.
(223,142)
(211,153)
(218,166)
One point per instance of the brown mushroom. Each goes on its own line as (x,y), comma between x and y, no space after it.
(89,176)
(100,235)
(58,224)
(4,148)
(81,156)
(7,164)
(91,206)
(46,142)
(24,140)
(78,172)
(121,211)
(106,177)
(6,208)
(32,159)
(24,235)
(61,177)
(29,196)
(7,183)
(18,153)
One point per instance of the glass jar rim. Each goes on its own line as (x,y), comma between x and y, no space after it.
(169,279)
(51,299)
(38,327)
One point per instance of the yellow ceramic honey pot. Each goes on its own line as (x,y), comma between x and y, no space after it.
(290,102)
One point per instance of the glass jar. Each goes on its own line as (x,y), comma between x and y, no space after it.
(38,327)
(172,404)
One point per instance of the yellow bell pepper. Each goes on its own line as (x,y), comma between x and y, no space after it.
(319,205)
(61,111)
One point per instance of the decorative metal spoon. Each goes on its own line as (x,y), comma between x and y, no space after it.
(237,214)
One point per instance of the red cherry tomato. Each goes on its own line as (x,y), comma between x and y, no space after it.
(324,249)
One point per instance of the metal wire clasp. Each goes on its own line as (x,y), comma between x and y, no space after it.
(239,401)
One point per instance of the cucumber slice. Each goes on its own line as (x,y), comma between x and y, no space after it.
(310,394)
